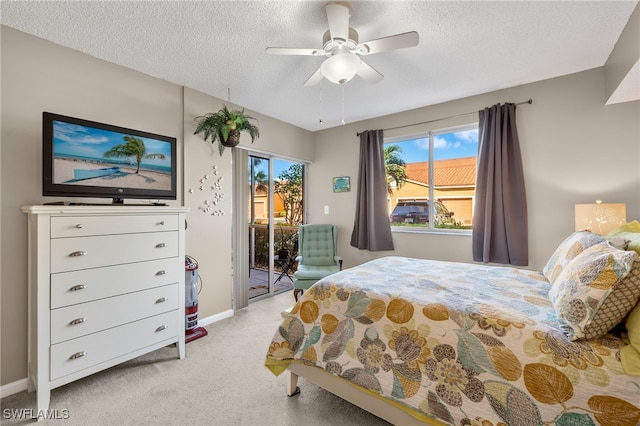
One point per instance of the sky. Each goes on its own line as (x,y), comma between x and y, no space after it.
(446,146)
(278,167)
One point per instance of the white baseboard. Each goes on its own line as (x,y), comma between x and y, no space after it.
(21,385)
(14,387)
(215,318)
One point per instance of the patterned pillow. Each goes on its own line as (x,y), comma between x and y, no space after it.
(630,354)
(596,290)
(573,245)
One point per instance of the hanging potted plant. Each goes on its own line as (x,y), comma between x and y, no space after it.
(225,126)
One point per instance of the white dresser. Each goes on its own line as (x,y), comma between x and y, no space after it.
(106,284)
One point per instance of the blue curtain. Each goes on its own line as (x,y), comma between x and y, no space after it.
(500,232)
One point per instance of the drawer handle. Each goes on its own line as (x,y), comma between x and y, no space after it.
(162,327)
(78,253)
(160,245)
(161,223)
(78,355)
(162,272)
(78,287)
(78,321)
(162,300)
(79,226)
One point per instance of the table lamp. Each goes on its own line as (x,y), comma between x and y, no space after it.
(600,218)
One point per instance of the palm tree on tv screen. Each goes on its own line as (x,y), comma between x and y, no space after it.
(134,147)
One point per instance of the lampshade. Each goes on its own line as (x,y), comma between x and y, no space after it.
(600,218)
(341,67)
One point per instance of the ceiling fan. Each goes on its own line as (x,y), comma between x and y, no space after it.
(343,51)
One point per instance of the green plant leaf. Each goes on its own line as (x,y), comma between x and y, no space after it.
(217,125)
(224,131)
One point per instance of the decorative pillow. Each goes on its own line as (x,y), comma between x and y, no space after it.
(573,245)
(596,290)
(627,227)
(630,354)
(630,232)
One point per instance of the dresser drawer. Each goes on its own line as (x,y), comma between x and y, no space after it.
(71,254)
(82,226)
(71,288)
(74,321)
(77,354)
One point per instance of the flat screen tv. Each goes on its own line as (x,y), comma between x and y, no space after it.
(82,158)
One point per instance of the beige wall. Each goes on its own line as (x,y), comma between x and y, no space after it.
(40,76)
(207,233)
(575,150)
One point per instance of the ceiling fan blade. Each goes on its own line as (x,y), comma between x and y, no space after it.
(368,73)
(338,16)
(384,44)
(294,51)
(314,79)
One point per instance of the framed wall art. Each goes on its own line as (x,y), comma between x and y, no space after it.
(341,184)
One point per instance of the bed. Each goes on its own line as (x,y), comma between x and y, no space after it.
(422,341)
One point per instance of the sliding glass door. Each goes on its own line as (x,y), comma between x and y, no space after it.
(275,210)
(259,204)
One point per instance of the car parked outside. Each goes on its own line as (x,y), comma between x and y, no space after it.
(417,212)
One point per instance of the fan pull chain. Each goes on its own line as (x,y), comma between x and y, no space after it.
(342,104)
(320,104)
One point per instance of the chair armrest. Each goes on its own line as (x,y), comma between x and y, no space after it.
(298,258)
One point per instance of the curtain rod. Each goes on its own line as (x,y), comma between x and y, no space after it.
(530,101)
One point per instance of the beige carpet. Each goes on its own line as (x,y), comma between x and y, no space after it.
(222,381)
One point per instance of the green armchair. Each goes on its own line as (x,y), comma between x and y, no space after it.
(317,244)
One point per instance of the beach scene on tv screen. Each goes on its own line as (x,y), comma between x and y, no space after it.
(96,157)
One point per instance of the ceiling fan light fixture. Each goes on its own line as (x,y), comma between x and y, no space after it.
(341,67)
(342,47)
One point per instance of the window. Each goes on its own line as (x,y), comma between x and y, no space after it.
(453,154)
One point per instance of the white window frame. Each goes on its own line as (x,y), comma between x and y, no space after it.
(430,134)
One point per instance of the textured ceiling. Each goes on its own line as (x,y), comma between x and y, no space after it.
(218,47)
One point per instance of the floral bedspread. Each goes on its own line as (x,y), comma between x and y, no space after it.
(461,343)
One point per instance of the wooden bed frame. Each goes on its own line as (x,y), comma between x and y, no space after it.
(375,405)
